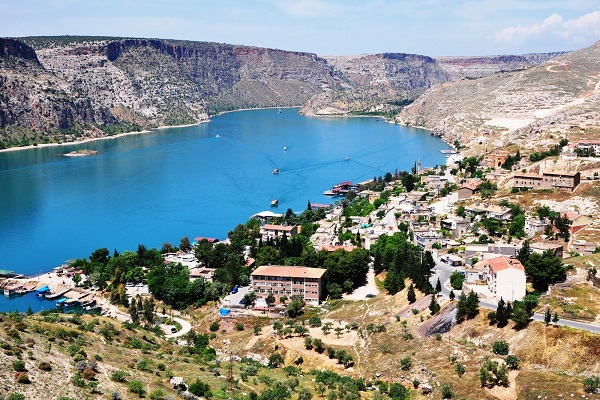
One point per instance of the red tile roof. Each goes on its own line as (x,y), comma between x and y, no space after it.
(501,263)
(268,227)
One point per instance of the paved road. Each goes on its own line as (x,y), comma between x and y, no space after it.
(185,327)
(443,271)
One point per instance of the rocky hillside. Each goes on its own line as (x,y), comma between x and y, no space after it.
(377,83)
(557,98)
(480,66)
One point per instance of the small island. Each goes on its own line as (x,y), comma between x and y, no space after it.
(81,153)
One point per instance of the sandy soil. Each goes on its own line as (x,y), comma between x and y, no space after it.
(369,288)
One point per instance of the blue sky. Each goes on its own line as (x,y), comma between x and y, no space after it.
(337,27)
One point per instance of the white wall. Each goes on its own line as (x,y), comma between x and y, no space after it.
(510,284)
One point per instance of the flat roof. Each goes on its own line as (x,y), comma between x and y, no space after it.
(278,227)
(288,271)
(501,263)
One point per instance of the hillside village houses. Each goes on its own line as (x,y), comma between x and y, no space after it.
(498,277)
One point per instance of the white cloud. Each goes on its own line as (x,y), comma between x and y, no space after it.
(309,8)
(582,29)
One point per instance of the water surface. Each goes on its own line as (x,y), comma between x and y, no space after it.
(191,181)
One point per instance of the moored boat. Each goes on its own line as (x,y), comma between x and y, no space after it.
(274,203)
(276,171)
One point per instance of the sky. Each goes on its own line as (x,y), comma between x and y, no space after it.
(325,27)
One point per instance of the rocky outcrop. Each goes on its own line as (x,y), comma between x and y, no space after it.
(377,83)
(16,48)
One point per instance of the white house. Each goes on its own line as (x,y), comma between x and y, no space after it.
(506,278)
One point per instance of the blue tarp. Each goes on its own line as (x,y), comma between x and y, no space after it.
(224,312)
(43,289)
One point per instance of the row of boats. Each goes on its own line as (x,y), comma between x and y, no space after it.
(87,305)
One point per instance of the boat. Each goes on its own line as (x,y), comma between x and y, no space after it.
(218,136)
(330,193)
(67,303)
(276,171)
(347,158)
(279,111)
(284,148)
(274,203)
(88,303)
(95,307)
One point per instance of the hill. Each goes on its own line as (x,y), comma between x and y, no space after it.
(70,356)
(557,98)
(64,88)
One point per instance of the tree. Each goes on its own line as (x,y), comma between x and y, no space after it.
(250,298)
(467,306)
(397,391)
(76,279)
(544,269)
(502,313)
(500,347)
(452,295)
(133,313)
(547,316)
(410,296)
(434,307)
(555,317)
(520,315)
(294,308)
(270,299)
(185,244)
(304,394)
(200,388)
(456,280)
(524,251)
(438,286)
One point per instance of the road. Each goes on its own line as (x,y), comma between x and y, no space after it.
(185,326)
(443,272)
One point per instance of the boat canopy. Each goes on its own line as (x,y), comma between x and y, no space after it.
(43,289)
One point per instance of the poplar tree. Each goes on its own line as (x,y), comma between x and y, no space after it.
(133,312)
(410,296)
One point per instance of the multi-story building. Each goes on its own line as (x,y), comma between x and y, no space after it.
(495,159)
(289,281)
(273,231)
(505,277)
(547,180)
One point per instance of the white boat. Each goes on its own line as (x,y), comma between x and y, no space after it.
(218,136)
(284,148)
(274,203)
(276,171)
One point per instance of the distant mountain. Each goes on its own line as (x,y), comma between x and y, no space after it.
(531,107)
(55,89)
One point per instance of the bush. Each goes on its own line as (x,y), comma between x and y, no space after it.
(214,326)
(161,366)
(314,321)
(460,369)
(275,360)
(119,376)
(447,391)
(200,388)
(89,374)
(45,366)
(22,377)
(239,326)
(15,396)
(512,362)
(144,365)
(157,395)
(500,347)
(398,391)
(405,363)
(137,387)
(591,384)
(77,380)
(19,365)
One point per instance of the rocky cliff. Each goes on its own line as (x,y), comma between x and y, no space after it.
(531,107)
(377,83)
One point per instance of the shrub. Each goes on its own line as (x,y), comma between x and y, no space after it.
(214,326)
(239,326)
(89,374)
(137,387)
(460,369)
(22,377)
(275,360)
(200,388)
(591,384)
(500,347)
(15,396)
(119,376)
(398,391)
(405,363)
(144,365)
(77,380)
(447,391)
(45,366)
(314,321)
(157,395)
(161,366)
(512,362)
(19,365)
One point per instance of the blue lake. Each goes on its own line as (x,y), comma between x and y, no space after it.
(191,181)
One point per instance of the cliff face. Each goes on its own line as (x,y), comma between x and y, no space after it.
(376,83)
(531,107)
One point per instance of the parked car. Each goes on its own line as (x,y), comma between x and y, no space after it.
(173,329)
(370,296)
(234,290)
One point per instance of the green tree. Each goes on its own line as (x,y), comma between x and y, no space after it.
(456,280)
(184,244)
(438,286)
(544,269)
(410,296)
(137,387)
(434,307)
(555,317)
(294,308)
(397,391)
(467,306)
(133,313)
(200,388)
(500,347)
(76,279)
(547,316)
(270,299)
(502,313)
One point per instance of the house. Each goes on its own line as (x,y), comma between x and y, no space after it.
(495,159)
(535,225)
(273,231)
(576,221)
(500,213)
(468,189)
(426,238)
(584,248)
(457,226)
(585,144)
(205,273)
(547,180)
(289,281)
(541,247)
(505,277)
